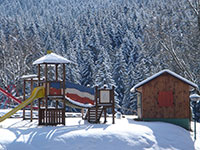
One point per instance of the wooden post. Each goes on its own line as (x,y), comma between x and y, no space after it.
(56,111)
(96,101)
(113,104)
(105,116)
(46,99)
(64,106)
(82,113)
(31,102)
(88,114)
(38,74)
(24,97)
(56,72)
(39,100)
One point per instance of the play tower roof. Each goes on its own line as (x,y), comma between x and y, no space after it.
(52,58)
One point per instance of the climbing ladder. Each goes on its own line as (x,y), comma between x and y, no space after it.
(94,114)
(104,99)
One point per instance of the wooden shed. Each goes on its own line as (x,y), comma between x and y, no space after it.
(165,97)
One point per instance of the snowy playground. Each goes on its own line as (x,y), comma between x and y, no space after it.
(78,134)
(46,124)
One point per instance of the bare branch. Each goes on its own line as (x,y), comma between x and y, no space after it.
(193,8)
(172,52)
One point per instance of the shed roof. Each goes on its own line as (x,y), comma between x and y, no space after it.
(160,73)
(52,58)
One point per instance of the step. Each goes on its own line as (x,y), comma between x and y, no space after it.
(95,112)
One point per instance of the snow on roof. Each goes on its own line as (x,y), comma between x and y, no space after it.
(195,97)
(158,74)
(29,76)
(52,58)
(79,104)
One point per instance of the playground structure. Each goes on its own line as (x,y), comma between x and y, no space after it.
(52,88)
(5,101)
(37,93)
(56,115)
(31,79)
(7,96)
(104,99)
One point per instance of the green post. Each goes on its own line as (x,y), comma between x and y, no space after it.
(195,120)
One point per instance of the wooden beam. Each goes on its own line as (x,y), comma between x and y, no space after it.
(64,106)
(46,99)
(24,97)
(96,97)
(39,100)
(105,116)
(31,102)
(82,113)
(113,104)
(56,72)
(38,74)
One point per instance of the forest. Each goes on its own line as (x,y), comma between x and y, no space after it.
(114,42)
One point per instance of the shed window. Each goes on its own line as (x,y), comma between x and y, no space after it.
(165,98)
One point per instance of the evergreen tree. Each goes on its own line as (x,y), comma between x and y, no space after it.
(120,75)
(72,71)
(87,70)
(103,68)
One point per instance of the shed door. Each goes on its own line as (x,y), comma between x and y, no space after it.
(165,98)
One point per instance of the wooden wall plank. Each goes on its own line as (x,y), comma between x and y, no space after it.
(165,82)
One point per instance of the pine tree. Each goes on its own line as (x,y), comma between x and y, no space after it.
(103,68)
(120,75)
(87,69)
(72,71)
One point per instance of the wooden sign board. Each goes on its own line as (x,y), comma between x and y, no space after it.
(104,97)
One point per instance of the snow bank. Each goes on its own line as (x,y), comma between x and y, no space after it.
(78,134)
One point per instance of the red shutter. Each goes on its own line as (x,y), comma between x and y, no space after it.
(165,98)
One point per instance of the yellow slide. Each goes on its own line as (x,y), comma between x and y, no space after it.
(38,92)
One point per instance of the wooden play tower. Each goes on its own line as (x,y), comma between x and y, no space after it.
(48,67)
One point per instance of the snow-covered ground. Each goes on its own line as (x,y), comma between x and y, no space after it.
(125,134)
